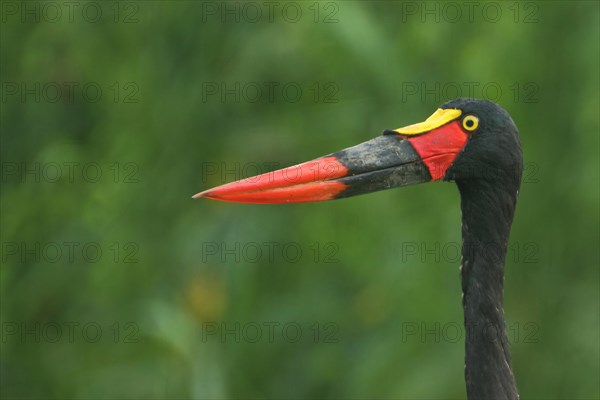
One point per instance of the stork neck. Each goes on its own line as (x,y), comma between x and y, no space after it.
(487,213)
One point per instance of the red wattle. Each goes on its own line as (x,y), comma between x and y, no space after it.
(439,148)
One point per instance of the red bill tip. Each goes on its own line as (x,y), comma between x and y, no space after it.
(306,182)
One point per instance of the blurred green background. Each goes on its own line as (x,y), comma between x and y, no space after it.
(115,284)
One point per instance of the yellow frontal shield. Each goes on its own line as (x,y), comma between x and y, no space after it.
(438,118)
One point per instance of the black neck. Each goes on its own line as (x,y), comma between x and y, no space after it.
(487,214)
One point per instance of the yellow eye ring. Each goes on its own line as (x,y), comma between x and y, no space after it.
(470,123)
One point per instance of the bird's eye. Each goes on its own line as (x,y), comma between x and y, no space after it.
(470,123)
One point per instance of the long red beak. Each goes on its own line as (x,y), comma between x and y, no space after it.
(414,154)
(310,181)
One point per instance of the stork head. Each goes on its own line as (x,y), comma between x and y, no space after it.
(493,150)
(465,140)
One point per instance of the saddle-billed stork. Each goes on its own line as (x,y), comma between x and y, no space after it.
(472,142)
